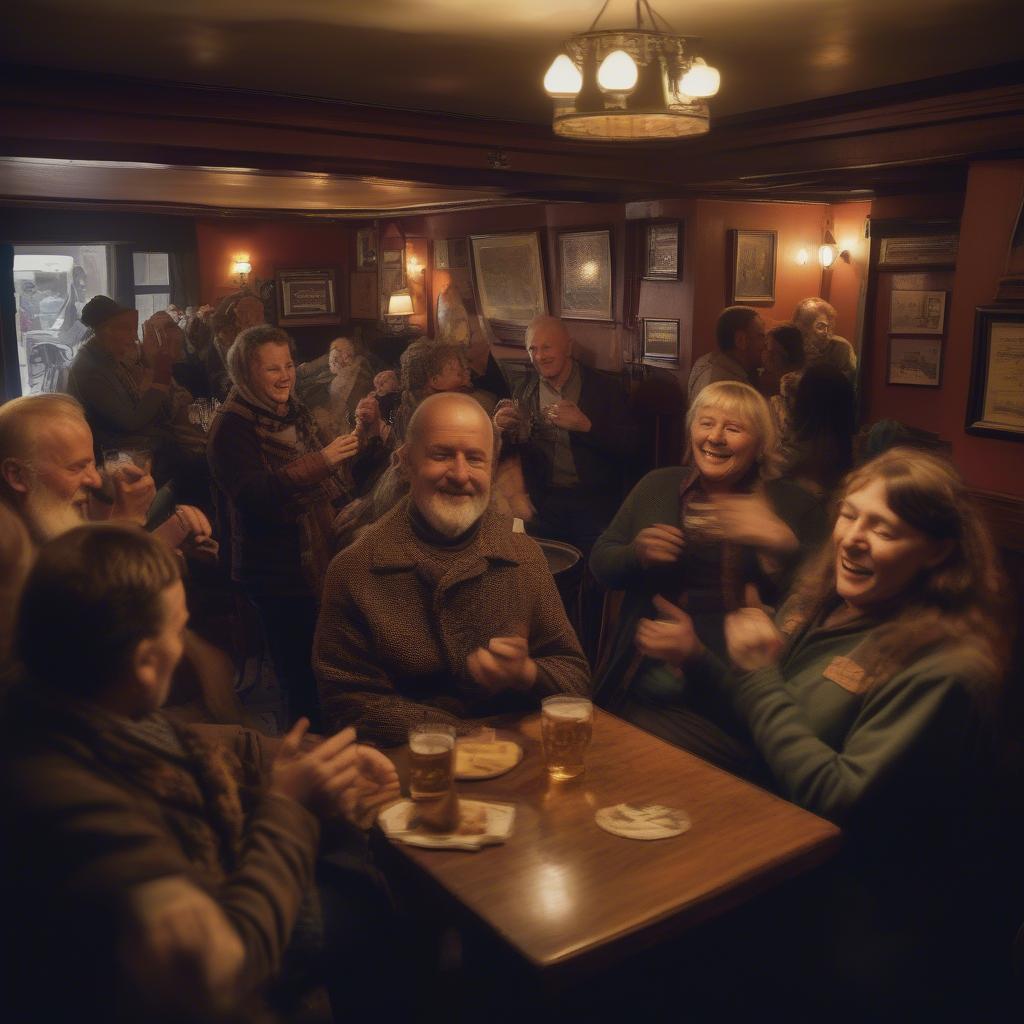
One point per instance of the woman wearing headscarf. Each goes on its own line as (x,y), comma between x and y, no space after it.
(280,486)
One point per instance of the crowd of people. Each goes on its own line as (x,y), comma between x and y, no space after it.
(838,633)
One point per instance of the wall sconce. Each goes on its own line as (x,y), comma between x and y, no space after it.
(802,257)
(829,252)
(242,268)
(400,304)
(413,266)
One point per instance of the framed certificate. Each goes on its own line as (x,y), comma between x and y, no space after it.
(995,403)
(308,296)
(661,342)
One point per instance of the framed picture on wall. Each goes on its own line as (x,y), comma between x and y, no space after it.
(662,248)
(366,249)
(451,254)
(585,275)
(752,264)
(308,297)
(661,342)
(509,281)
(917,312)
(995,402)
(915,361)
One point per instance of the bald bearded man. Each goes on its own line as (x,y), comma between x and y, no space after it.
(440,612)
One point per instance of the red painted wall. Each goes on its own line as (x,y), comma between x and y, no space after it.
(271,245)
(799,226)
(990,207)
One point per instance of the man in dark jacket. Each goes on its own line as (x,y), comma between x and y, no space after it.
(154,872)
(571,427)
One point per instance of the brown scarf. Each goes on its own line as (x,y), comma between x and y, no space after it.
(204,792)
(284,440)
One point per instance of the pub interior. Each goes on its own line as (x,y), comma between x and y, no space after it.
(512,510)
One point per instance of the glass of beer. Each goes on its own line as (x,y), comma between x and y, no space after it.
(431,760)
(565,727)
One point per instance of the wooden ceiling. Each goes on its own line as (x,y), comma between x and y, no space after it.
(481,59)
(265,106)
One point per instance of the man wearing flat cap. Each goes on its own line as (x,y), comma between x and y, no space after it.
(123,410)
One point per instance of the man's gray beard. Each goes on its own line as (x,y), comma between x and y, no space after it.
(450,518)
(49,515)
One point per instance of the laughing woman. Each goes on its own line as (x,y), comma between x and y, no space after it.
(279,488)
(696,536)
(871,702)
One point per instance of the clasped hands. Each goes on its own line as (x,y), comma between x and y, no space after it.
(334,776)
(751,638)
(504,664)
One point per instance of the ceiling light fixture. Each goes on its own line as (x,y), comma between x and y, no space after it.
(637,84)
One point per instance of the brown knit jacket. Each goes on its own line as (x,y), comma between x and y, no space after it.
(392,640)
(94,812)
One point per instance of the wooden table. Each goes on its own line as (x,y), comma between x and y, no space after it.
(564,894)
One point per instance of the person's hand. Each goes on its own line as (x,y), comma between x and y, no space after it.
(749,519)
(386,382)
(179,948)
(670,637)
(189,530)
(134,491)
(315,778)
(341,448)
(658,545)
(376,784)
(504,664)
(752,639)
(368,418)
(568,416)
(506,416)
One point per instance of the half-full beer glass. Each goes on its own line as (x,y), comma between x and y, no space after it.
(565,727)
(431,760)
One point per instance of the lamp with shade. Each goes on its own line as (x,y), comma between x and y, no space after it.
(400,304)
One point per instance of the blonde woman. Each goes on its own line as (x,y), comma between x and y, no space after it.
(697,536)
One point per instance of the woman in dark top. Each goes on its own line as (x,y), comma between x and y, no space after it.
(280,487)
(697,536)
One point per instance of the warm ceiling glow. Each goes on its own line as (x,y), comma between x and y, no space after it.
(563,79)
(701,80)
(617,73)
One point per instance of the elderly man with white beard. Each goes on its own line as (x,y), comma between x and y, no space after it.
(440,612)
(48,476)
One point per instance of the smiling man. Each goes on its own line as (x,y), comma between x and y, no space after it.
(440,612)
(571,427)
(48,473)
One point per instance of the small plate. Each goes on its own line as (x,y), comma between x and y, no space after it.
(394,820)
(483,759)
(654,821)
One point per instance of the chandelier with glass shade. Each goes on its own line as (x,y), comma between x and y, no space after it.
(631,84)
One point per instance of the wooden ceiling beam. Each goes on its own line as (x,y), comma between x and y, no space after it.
(89,117)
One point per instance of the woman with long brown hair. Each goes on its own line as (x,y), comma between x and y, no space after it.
(871,701)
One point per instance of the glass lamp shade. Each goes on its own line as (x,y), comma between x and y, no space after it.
(400,304)
(563,79)
(701,80)
(617,73)
(828,251)
(241,267)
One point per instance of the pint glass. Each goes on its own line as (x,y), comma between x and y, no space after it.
(565,726)
(431,760)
